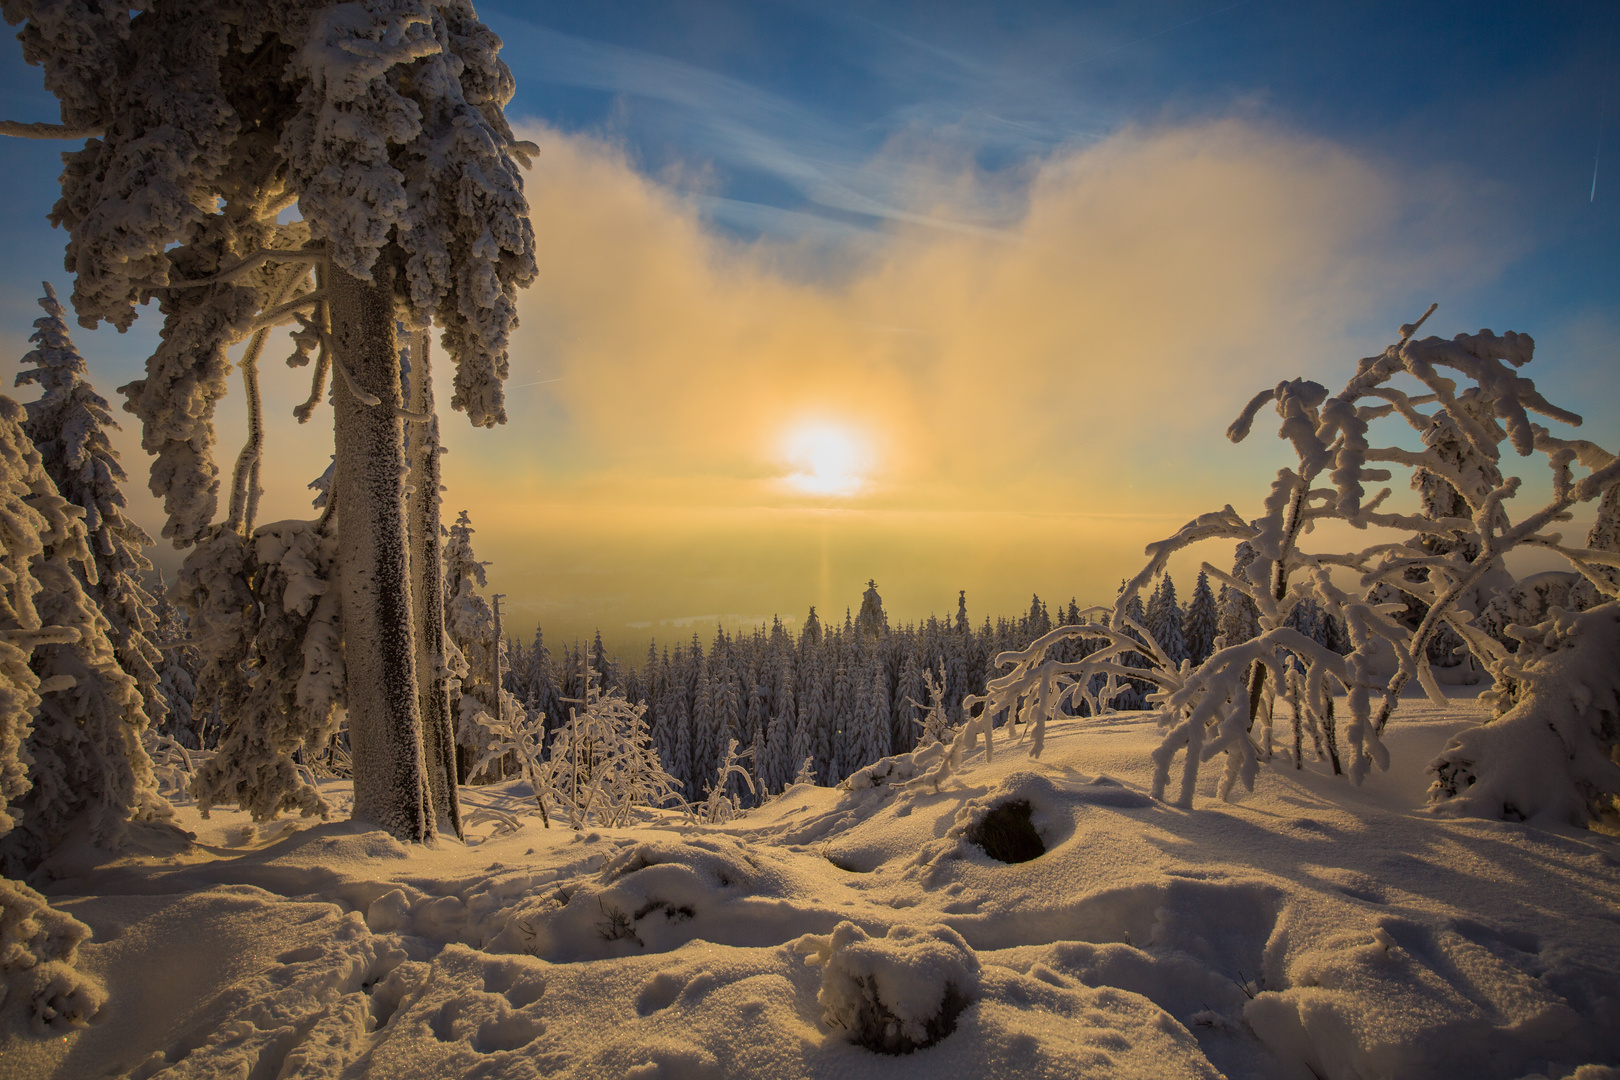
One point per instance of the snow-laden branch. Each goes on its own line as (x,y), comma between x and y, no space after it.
(251,263)
(22,130)
(323,365)
(282,313)
(360,393)
(1410,591)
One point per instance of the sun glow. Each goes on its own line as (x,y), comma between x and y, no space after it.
(826,459)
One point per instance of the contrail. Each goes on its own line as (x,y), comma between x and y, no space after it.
(539,382)
(1603,107)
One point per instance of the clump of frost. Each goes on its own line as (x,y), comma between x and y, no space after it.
(894,994)
(895,770)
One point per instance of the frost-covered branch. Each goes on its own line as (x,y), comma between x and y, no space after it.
(1415,594)
(360,393)
(250,264)
(279,314)
(23,130)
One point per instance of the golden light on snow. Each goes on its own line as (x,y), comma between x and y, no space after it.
(827,459)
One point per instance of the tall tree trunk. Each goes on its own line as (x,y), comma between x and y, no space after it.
(427,597)
(385,721)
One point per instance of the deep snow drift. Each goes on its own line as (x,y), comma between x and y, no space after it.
(1309,928)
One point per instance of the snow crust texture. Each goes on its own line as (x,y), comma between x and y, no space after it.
(1309,927)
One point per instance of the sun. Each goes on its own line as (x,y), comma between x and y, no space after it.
(827,460)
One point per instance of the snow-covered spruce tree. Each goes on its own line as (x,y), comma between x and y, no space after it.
(1214,709)
(69,426)
(872,621)
(809,729)
(1238,619)
(908,694)
(470,624)
(707,742)
(382,120)
(87,773)
(177,671)
(1202,621)
(841,726)
(728,708)
(71,760)
(37,944)
(873,736)
(1164,616)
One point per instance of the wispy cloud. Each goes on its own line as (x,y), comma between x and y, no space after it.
(747,130)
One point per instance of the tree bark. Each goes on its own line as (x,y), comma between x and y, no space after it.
(385,720)
(427,583)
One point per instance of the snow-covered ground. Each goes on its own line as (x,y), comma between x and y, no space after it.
(1309,928)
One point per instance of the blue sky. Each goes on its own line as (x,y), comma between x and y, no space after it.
(1031,257)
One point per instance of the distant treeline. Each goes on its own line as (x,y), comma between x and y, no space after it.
(843,696)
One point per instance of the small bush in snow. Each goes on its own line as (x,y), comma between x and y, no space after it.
(1552,754)
(720,806)
(936,722)
(603,764)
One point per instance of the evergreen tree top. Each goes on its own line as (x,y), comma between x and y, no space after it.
(67,422)
(872,621)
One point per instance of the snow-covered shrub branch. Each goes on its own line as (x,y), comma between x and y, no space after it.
(720,805)
(512,734)
(1443,569)
(603,765)
(935,722)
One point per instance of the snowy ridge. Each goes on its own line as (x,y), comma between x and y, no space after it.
(1311,926)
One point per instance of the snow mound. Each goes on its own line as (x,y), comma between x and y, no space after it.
(657,895)
(894,994)
(1550,756)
